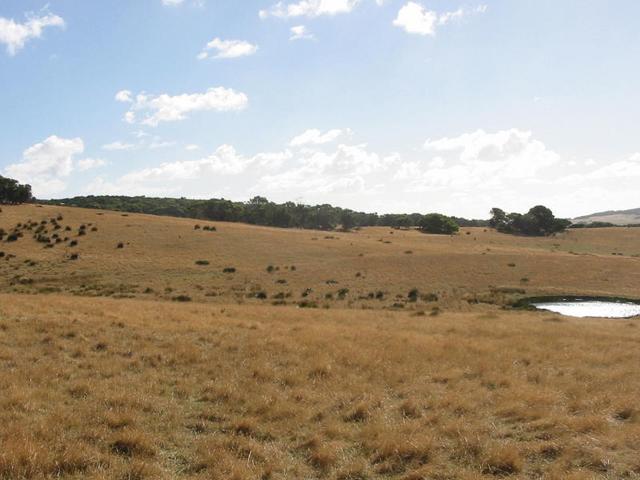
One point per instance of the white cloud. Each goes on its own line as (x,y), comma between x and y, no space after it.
(90,163)
(124,96)
(309,8)
(416,18)
(118,146)
(15,35)
(172,3)
(159,143)
(228,49)
(314,136)
(465,175)
(192,147)
(45,165)
(168,108)
(300,32)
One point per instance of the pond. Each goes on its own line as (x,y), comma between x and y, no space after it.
(582,308)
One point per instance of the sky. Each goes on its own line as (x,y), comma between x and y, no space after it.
(376,105)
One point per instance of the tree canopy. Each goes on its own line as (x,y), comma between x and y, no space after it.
(257,211)
(538,221)
(439,224)
(12,192)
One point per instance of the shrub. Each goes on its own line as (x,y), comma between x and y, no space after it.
(120,245)
(202,262)
(73,256)
(262,295)
(270,269)
(73,243)
(229,270)
(429,297)
(196,227)
(342,293)
(181,298)
(413,295)
(307,304)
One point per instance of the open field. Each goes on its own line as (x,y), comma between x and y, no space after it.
(102,376)
(159,255)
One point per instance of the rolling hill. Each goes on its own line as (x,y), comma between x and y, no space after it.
(616,217)
(142,347)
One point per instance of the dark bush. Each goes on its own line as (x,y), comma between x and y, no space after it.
(181,298)
(413,295)
(229,270)
(202,262)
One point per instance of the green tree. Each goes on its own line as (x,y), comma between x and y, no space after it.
(14,193)
(347,220)
(439,224)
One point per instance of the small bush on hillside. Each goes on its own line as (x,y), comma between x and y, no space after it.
(196,227)
(202,262)
(73,243)
(181,298)
(229,270)
(307,304)
(342,293)
(74,256)
(120,245)
(270,269)
(413,295)
(429,297)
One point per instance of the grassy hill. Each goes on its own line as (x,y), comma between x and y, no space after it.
(139,363)
(617,217)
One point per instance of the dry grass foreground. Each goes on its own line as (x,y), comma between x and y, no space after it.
(167,258)
(134,389)
(372,387)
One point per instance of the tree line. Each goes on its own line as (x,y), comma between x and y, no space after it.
(13,193)
(257,211)
(538,221)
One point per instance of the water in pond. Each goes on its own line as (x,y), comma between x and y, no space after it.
(591,308)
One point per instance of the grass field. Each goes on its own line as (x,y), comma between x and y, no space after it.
(103,376)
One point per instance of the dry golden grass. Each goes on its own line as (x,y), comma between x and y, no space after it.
(159,255)
(231,387)
(104,388)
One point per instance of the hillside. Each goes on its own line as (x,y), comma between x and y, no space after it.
(617,217)
(147,362)
(373,267)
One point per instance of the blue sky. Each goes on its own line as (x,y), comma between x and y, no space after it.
(389,105)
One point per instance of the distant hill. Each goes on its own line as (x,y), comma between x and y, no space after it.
(617,217)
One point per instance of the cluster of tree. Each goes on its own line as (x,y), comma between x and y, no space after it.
(12,192)
(437,223)
(539,221)
(257,211)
